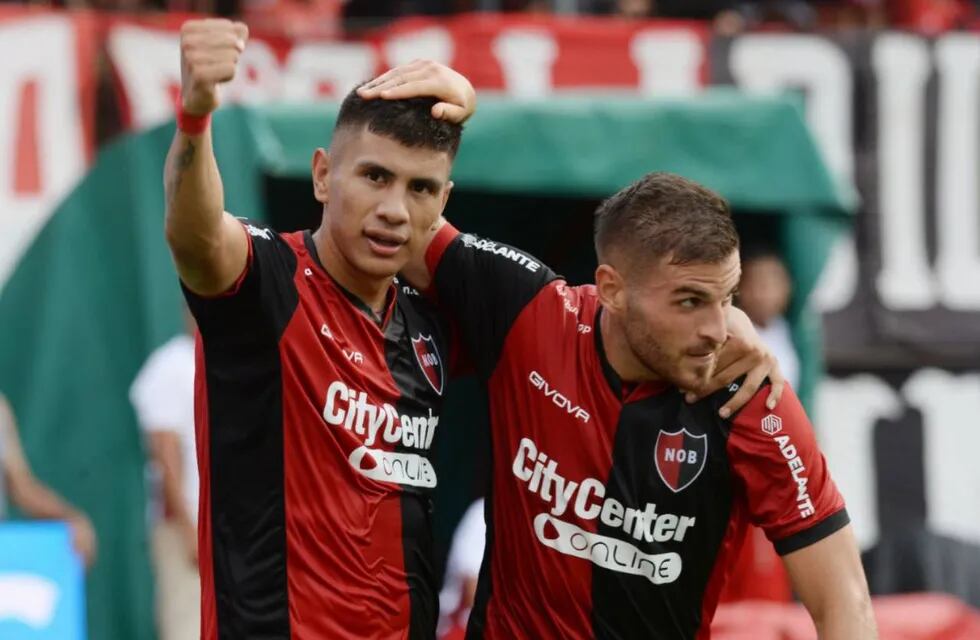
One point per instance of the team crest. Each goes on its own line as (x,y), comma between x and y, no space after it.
(680,458)
(428,358)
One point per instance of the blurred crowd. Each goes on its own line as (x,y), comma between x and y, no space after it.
(728,16)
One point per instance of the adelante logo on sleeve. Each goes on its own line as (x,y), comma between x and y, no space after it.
(680,457)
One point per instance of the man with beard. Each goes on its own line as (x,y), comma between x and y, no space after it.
(615,507)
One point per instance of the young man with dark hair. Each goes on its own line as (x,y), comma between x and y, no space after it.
(318,381)
(616,508)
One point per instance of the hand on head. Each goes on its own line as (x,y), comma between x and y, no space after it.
(425,78)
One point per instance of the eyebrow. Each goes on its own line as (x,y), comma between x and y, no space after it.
(701,293)
(431,184)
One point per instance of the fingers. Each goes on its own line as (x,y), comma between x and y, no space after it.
(753,381)
(778,384)
(389,76)
(409,85)
(724,377)
(449,112)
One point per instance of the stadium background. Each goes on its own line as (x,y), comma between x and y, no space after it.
(853,147)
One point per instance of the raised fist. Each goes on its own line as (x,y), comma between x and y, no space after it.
(209,51)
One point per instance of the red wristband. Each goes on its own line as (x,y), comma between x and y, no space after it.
(189,123)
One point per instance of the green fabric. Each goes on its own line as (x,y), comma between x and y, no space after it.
(96,293)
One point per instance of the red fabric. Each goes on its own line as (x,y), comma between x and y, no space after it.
(757,572)
(209,627)
(191,124)
(804,494)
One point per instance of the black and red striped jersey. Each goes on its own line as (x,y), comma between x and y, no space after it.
(615,509)
(315,424)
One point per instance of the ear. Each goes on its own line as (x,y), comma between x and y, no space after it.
(611,287)
(445,195)
(321,173)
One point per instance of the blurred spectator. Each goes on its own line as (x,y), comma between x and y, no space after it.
(634,8)
(163,396)
(764,295)
(30,496)
(742,15)
(462,571)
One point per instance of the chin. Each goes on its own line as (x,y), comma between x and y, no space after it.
(381,267)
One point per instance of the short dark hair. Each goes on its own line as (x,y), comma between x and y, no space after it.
(664,215)
(407,121)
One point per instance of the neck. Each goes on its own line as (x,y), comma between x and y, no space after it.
(370,290)
(620,355)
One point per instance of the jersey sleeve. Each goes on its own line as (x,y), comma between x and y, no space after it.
(484,286)
(260,302)
(787,485)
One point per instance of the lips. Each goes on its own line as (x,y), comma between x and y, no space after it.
(384,243)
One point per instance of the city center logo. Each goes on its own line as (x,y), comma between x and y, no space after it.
(428,358)
(680,457)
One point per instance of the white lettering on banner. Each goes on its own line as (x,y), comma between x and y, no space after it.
(766,63)
(901,64)
(957,169)
(769,63)
(669,61)
(560,401)
(903,69)
(351,409)
(41,50)
(526,56)
(850,409)
(316,70)
(588,502)
(148,64)
(430,43)
(606,552)
(472,242)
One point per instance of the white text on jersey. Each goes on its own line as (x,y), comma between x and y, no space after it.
(353,410)
(796,468)
(490,246)
(560,401)
(588,499)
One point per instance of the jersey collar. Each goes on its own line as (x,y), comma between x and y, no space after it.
(624,390)
(380,320)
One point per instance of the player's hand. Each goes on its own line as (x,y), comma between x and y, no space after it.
(425,78)
(745,354)
(83,538)
(209,51)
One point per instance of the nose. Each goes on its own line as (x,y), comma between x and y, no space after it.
(713,326)
(393,208)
